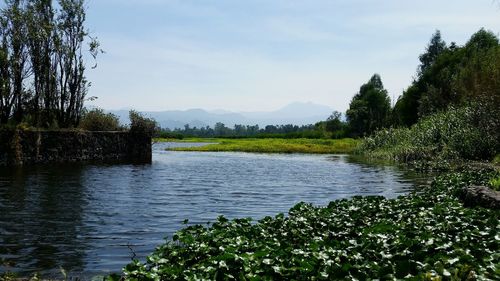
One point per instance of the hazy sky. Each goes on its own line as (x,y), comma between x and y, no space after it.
(263,54)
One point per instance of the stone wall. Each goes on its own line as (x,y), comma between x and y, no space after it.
(24,147)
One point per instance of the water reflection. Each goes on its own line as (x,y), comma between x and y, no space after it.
(85,217)
(41,218)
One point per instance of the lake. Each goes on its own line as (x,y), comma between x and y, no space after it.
(92,219)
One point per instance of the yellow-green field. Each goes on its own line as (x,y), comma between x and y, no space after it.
(325,146)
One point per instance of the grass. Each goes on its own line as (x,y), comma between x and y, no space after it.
(427,235)
(187,140)
(314,146)
(455,135)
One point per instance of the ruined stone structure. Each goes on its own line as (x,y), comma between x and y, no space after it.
(25,147)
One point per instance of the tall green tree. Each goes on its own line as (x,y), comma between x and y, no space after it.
(71,81)
(41,33)
(13,59)
(435,47)
(406,110)
(369,109)
(42,66)
(450,76)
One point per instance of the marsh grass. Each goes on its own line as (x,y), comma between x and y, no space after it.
(454,135)
(313,146)
(187,140)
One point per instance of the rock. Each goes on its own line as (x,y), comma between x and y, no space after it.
(482,196)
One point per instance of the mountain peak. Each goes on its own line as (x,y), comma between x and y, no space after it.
(306,108)
(297,113)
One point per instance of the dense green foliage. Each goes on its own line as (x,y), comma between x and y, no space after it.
(98,120)
(369,109)
(142,125)
(274,145)
(456,134)
(453,76)
(453,107)
(421,236)
(42,62)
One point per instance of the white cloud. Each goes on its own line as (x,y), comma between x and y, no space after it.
(218,55)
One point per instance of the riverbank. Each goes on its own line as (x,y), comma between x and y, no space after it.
(427,235)
(313,146)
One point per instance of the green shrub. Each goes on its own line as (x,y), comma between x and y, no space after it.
(458,133)
(97,120)
(495,183)
(142,125)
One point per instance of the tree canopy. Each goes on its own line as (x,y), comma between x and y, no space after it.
(369,108)
(452,76)
(42,65)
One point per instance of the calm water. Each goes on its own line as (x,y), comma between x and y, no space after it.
(86,218)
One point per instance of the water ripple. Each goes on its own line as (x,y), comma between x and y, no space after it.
(85,218)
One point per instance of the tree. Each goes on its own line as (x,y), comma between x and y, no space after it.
(41,27)
(13,59)
(334,122)
(449,76)
(369,108)
(72,83)
(220,129)
(435,47)
(42,67)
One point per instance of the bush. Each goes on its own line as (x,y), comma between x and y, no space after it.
(495,183)
(97,120)
(142,125)
(458,133)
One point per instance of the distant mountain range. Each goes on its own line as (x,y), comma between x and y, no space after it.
(296,113)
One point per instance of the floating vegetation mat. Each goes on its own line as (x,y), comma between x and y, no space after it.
(427,235)
(317,146)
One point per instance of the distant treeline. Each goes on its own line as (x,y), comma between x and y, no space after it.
(42,62)
(333,127)
(244,131)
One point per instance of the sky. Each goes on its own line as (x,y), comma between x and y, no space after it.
(260,55)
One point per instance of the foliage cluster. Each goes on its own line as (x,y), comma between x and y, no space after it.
(98,120)
(455,134)
(369,109)
(142,125)
(426,235)
(453,76)
(448,76)
(273,145)
(42,62)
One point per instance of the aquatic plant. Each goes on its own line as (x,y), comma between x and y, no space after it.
(426,235)
(324,146)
